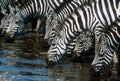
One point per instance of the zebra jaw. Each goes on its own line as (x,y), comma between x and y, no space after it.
(49,60)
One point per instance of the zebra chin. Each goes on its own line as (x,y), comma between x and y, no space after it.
(51,60)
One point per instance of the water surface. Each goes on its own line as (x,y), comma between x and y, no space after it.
(24,60)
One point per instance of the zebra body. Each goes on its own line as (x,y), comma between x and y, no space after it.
(86,17)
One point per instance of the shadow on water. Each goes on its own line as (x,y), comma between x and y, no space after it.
(24,60)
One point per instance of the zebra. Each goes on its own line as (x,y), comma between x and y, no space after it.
(109,44)
(43,8)
(86,17)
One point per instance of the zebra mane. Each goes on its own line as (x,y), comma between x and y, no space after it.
(62,5)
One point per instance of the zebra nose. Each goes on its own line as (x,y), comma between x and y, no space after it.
(8,38)
(49,63)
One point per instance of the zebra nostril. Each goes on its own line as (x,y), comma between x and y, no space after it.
(49,63)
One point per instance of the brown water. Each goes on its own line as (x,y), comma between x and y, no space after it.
(24,60)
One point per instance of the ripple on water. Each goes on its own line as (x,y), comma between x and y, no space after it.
(14,66)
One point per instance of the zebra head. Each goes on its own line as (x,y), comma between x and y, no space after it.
(84,42)
(54,53)
(4,21)
(13,25)
(51,24)
(51,34)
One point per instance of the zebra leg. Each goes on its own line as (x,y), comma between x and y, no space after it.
(38,25)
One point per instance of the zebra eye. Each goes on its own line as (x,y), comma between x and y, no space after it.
(53,44)
(115,29)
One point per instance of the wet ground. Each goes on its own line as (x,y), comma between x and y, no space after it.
(24,60)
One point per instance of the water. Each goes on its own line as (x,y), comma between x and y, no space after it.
(24,60)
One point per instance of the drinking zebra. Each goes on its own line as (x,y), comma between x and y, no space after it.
(86,17)
(109,44)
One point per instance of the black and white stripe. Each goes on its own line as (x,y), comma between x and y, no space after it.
(109,44)
(42,8)
(82,43)
(86,17)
